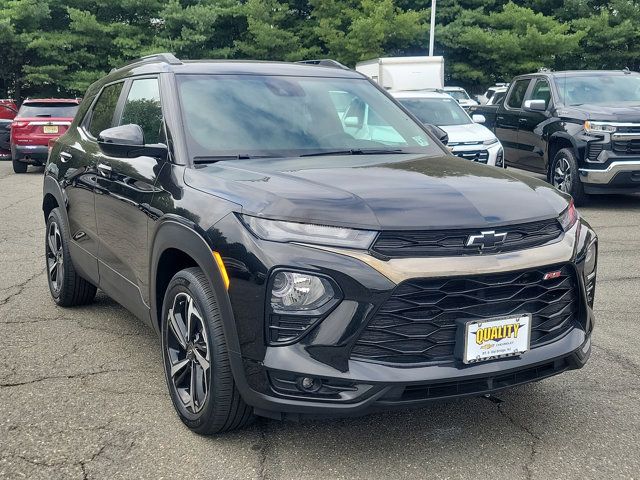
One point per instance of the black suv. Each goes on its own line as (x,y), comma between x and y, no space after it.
(580,128)
(298,258)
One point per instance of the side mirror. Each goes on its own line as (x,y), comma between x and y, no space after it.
(127,141)
(439,133)
(535,105)
(478,118)
(353,122)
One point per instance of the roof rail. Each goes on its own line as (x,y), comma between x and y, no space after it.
(165,57)
(325,62)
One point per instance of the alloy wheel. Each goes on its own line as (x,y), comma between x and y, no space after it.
(187,349)
(55,257)
(562,175)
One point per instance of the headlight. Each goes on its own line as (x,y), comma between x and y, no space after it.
(569,217)
(491,141)
(599,127)
(280,231)
(590,259)
(299,291)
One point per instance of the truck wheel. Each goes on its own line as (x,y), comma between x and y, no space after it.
(68,289)
(565,176)
(18,166)
(196,361)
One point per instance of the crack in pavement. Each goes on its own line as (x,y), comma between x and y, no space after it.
(67,377)
(262,448)
(533,443)
(626,364)
(21,286)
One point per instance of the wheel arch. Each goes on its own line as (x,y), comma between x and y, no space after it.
(177,245)
(53,197)
(557,142)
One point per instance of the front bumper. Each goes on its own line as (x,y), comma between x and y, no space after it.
(618,174)
(30,153)
(266,376)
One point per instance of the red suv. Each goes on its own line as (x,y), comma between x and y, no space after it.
(38,121)
(8,110)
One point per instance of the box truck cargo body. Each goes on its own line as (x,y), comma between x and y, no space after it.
(405,73)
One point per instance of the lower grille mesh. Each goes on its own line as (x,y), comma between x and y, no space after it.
(417,324)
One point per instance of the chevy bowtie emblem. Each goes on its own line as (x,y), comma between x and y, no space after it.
(486,239)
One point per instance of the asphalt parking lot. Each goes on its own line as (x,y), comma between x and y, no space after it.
(82,393)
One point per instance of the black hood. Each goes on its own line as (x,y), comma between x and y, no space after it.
(380,192)
(608,113)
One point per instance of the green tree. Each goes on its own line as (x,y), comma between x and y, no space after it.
(484,48)
(350,31)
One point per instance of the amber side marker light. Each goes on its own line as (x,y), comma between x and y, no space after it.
(223,270)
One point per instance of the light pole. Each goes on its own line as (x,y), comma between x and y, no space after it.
(432,30)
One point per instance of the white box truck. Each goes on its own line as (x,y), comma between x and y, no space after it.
(405,73)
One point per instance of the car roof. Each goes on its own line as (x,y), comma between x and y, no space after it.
(582,73)
(418,94)
(453,88)
(234,67)
(74,101)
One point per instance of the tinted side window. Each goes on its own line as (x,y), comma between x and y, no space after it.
(517,93)
(103,110)
(541,91)
(142,107)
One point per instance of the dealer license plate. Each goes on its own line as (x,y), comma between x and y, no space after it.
(50,129)
(496,338)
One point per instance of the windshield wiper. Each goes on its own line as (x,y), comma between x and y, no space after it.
(355,151)
(202,160)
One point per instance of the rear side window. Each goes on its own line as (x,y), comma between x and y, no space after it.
(103,110)
(517,93)
(142,107)
(48,109)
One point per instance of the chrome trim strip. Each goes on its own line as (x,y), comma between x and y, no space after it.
(625,136)
(588,175)
(49,123)
(400,269)
(616,124)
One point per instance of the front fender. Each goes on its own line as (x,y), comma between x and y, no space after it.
(177,233)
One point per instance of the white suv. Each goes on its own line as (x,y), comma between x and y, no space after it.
(467,137)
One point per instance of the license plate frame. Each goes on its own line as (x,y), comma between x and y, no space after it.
(503,342)
(50,129)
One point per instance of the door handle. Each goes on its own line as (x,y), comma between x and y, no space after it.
(104,170)
(65,157)
(522,120)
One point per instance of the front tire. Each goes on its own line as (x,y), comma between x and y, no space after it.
(67,288)
(565,175)
(196,361)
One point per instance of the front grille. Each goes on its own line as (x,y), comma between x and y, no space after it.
(631,147)
(629,129)
(417,324)
(439,243)
(480,156)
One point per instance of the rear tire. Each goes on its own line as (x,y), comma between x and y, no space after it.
(565,175)
(196,360)
(68,289)
(18,166)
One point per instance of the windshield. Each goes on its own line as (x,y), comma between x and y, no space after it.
(255,115)
(436,111)
(598,89)
(48,109)
(458,94)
